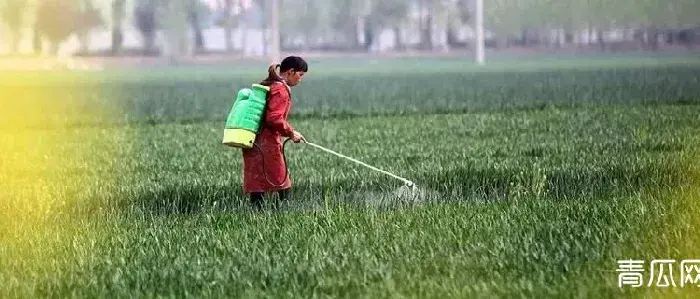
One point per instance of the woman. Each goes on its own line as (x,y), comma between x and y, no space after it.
(263,166)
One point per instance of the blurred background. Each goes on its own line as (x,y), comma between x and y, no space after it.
(179,29)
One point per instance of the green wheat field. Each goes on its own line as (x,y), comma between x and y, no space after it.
(535,177)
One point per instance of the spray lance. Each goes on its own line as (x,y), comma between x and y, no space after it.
(243,124)
(405,181)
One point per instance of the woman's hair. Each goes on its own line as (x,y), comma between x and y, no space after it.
(292,62)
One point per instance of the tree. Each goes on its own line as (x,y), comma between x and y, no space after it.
(196,11)
(12,13)
(463,13)
(274,26)
(687,13)
(118,15)
(388,14)
(56,20)
(227,21)
(349,17)
(173,14)
(301,19)
(688,19)
(87,18)
(503,16)
(145,21)
(441,14)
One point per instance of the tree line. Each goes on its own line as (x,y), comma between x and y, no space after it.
(355,24)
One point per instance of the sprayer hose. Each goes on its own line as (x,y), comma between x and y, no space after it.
(284,158)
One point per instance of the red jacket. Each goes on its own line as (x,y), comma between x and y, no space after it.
(269,141)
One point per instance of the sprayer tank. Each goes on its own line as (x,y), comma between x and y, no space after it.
(245,117)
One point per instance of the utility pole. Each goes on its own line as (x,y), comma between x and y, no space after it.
(274,43)
(479,28)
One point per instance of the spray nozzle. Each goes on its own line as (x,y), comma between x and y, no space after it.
(411,185)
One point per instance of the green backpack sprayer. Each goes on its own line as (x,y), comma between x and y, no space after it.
(244,121)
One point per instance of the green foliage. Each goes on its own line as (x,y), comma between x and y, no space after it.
(57,20)
(341,88)
(531,195)
(302,17)
(12,13)
(89,16)
(386,14)
(510,16)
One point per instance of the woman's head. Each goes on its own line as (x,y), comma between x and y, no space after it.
(292,70)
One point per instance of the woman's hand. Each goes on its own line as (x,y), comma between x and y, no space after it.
(297,137)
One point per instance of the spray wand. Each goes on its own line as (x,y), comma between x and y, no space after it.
(407,182)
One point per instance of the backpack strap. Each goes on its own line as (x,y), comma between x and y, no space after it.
(267,101)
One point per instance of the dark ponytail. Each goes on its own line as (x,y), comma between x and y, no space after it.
(290,63)
(272,75)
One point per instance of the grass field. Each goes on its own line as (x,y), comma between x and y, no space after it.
(538,177)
